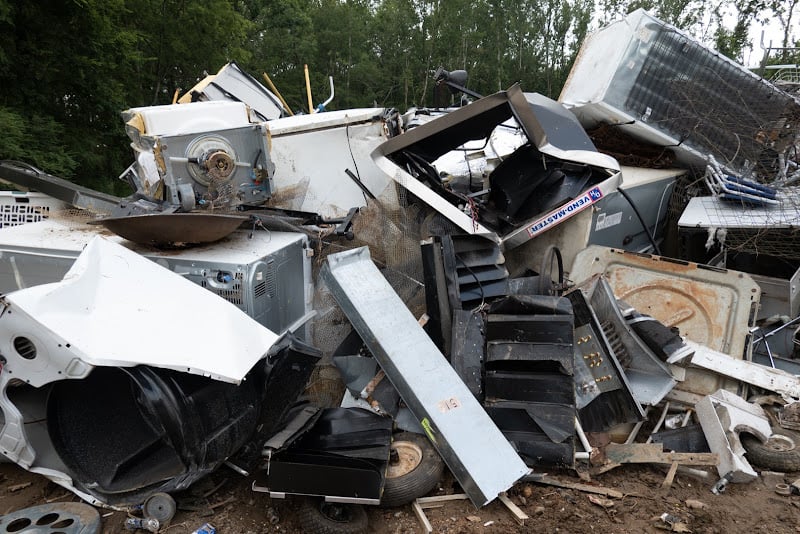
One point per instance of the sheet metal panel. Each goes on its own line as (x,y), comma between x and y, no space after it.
(650,380)
(311,153)
(472,446)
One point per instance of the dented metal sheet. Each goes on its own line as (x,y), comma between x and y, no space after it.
(659,85)
(710,306)
(111,294)
(781,382)
(231,83)
(723,417)
(475,450)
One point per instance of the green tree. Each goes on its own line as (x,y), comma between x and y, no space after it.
(281,42)
(398,47)
(732,42)
(70,67)
(342,35)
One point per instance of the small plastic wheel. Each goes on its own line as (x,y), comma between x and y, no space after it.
(414,469)
(781,451)
(319,517)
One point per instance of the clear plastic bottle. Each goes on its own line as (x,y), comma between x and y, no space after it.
(138,523)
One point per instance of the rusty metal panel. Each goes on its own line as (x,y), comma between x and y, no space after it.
(710,306)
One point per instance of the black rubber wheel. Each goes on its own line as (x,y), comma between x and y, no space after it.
(414,469)
(319,517)
(781,452)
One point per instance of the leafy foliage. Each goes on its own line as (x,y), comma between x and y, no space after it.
(36,140)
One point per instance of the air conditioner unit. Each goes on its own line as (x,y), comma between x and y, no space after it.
(265,274)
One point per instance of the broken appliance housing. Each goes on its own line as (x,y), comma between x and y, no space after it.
(201,155)
(19,207)
(233,84)
(322,161)
(218,155)
(267,275)
(778,278)
(445,407)
(649,378)
(554,175)
(529,377)
(110,389)
(615,223)
(612,221)
(341,454)
(517,359)
(604,396)
(657,84)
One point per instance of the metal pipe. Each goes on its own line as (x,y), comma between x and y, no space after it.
(582,436)
(659,423)
(636,428)
(328,101)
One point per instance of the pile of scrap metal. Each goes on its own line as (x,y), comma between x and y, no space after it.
(547,331)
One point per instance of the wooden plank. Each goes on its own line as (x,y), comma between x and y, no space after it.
(421,517)
(519,515)
(421,504)
(653,453)
(667,484)
(605,468)
(600,490)
(442,498)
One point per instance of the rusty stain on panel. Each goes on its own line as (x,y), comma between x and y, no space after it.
(710,306)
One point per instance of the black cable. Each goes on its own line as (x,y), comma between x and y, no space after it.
(641,220)
(475,276)
(551,253)
(355,164)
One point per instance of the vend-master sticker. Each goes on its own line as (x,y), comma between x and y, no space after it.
(566,211)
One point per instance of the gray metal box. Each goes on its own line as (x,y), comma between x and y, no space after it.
(265,274)
(614,222)
(779,296)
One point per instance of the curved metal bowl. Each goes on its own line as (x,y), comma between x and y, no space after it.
(173,229)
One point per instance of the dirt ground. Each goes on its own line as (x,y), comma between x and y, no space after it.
(226,501)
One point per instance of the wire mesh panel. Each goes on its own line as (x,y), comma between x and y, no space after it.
(393,236)
(712,104)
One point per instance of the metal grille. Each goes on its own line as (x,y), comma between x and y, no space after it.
(777,242)
(260,289)
(272,279)
(232,295)
(16,214)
